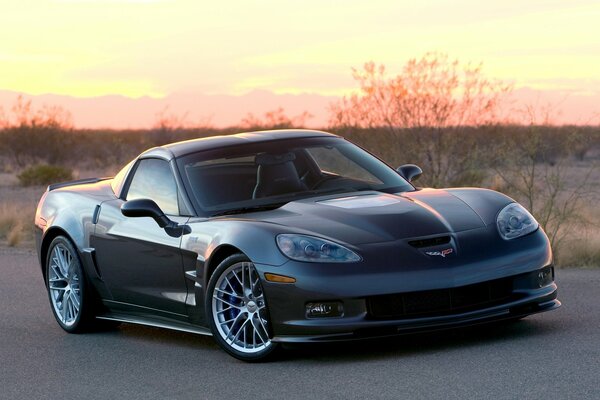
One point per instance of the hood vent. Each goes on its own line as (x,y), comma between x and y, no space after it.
(431,242)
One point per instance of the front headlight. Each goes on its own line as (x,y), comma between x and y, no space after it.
(313,249)
(515,221)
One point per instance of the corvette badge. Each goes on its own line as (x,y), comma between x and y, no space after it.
(442,253)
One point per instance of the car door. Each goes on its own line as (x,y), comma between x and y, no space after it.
(139,262)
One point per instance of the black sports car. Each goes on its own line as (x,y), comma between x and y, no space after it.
(285,236)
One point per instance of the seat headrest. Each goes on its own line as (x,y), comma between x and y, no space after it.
(274,159)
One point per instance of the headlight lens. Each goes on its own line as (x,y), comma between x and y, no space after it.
(515,221)
(314,249)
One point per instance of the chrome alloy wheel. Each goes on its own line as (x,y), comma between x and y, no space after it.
(239,309)
(64,285)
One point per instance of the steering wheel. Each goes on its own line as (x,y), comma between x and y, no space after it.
(324,178)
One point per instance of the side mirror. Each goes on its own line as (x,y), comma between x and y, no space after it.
(410,172)
(148,208)
(145,208)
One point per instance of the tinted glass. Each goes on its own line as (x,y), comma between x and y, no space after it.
(153,179)
(117,181)
(280,171)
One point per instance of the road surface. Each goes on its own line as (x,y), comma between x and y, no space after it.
(552,355)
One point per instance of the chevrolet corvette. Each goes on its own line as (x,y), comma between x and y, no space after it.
(273,237)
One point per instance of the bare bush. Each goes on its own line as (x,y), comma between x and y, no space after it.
(30,135)
(275,119)
(534,175)
(427,107)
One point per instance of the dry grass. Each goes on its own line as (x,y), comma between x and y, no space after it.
(581,248)
(16,235)
(13,220)
(581,251)
(17,210)
(8,219)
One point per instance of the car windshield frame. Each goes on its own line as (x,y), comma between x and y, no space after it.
(276,201)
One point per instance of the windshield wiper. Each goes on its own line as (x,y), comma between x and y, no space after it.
(243,210)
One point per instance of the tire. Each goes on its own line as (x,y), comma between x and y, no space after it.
(70,298)
(237,311)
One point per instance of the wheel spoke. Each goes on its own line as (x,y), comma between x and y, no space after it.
(262,324)
(64,309)
(237,278)
(69,303)
(228,321)
(230,284)
(230,332)
(56,269)
(226,302)
(224,310)
(75,301)
(229,293)
(237,335)
(235,321)
(61,262)
(243,279)
(257,332)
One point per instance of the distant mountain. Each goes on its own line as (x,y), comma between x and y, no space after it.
(122,112)
(220,110)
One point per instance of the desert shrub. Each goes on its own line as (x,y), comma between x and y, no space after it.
(14,218)
(15,236)
(533,173)
(9,218)
(29,135)
(582,251)
(44,175)
(429,107)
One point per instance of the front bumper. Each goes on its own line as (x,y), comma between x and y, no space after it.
(480,259)
(324,330)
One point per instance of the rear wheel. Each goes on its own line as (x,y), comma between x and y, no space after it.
(237,310)
(66,284)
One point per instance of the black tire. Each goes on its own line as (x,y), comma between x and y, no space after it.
(75,285)
(251,317)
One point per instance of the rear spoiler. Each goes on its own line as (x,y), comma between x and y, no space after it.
(76,182)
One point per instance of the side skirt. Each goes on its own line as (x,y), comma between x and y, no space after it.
(173,325)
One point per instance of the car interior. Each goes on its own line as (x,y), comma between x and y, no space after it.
(247,178)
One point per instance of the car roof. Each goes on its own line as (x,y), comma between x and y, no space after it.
(179,149)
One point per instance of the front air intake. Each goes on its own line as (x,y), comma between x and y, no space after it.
(430,242)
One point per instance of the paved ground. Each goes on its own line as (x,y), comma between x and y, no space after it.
(553,355)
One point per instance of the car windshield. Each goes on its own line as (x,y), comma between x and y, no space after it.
(265,175)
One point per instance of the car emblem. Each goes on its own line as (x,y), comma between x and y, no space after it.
(442,253)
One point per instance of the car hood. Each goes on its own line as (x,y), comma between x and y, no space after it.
(371,217)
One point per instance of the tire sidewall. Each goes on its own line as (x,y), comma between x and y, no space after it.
(81,319)
(221,268)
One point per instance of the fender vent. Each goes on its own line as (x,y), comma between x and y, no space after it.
(436,241)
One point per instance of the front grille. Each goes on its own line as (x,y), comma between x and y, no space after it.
(438,302)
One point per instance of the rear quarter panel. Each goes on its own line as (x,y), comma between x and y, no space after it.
(69,211)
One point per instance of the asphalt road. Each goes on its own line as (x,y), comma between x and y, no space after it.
(552,355)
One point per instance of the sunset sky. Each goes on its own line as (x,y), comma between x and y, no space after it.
(134,48)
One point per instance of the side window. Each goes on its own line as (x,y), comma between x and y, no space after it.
(153,179)
(117,181)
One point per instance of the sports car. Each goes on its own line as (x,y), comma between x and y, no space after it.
(273,237)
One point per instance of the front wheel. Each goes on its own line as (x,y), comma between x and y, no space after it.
(237,310)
